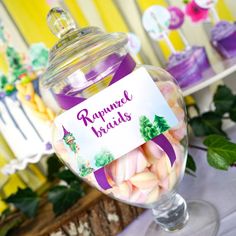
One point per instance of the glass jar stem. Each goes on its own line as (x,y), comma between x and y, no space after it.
(171,214)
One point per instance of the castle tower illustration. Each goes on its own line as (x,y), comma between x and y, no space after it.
(69,139)
(83,165)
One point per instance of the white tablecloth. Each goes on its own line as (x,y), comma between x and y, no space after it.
(217,187)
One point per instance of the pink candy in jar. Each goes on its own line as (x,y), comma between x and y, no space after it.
(144,174)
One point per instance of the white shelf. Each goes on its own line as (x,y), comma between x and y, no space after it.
(222,70)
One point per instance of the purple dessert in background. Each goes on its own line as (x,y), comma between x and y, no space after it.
(223,38)
(184,68)
(188,66)
(201,57)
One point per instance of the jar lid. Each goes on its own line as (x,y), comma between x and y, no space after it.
(77,47)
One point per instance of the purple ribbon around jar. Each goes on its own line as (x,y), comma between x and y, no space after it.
(126,66)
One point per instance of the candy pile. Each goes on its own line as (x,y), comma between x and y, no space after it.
(144,174)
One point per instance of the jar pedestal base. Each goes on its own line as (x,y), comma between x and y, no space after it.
(203,220)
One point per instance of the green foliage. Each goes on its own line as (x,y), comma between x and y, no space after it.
(150,130)
(103,158)
(15,63)
(223,99)
(67,176)
(232,112)
(221,153)
(63,197)
(190,165)
(53,167)
(217,161)
(5,228)
(25,200)
(206,124)
(39,56)
(3,81)
(13,57)
(5,213)
(211,122)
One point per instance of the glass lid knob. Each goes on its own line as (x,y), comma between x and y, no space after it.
(60,22)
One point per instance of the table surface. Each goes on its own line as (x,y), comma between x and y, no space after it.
(215,186)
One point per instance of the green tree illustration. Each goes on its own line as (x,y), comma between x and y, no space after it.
(103,158)
(85,170)
(147,129)
(161,123)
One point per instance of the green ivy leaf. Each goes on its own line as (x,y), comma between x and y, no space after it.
(206,124)
(53,166)
(191,163)
(221,152)
(25,200)
(5,228)
(223,99)
(63,197)
(217,161)
(5,214)
(67,176)
(232,112)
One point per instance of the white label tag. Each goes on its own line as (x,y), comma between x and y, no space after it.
(156,19)
(113,122)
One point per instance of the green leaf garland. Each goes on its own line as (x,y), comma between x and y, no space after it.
(191,163)
(221,152)
(232,112)
(206,124)
(67,176)
(63,197)
(25,200)
(223,99)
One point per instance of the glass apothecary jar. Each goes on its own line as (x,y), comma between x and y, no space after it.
(122,126)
